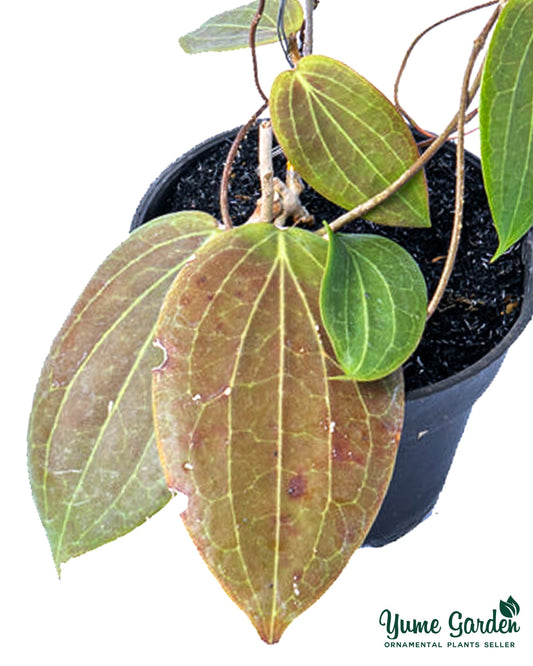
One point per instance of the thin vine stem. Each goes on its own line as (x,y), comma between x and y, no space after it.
(309,8)
(410,51)
(282,36)
(252,43)
(430,137)
(460,154)
(230,159)
(435,145)
(366,206)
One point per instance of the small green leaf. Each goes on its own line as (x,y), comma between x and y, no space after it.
(285,467)
(93,463)
(514,604)
(509,608)
(347,140)
(506,123)
(373,303)
(230,30)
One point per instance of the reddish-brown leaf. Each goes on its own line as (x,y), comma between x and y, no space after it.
(92,458)
(284,464)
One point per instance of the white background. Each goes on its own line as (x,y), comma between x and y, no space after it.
(97,99)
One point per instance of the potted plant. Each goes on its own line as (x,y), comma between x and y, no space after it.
(276,346)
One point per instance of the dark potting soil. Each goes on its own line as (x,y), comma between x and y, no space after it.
(482,300)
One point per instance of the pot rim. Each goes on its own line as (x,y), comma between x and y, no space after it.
(526,310)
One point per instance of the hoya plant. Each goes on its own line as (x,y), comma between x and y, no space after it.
(258,368)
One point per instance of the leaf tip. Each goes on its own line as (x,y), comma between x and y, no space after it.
(56,555)
(270,632)
(502,249)
(58,569)
(185,44)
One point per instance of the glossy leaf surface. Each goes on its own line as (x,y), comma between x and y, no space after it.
(93,462)
(373,302)
(230,30)
(347,140)
(285,467)
(506,123)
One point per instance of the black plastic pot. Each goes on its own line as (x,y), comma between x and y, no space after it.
(435,415)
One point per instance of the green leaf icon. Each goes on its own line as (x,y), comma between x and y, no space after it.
(509,608)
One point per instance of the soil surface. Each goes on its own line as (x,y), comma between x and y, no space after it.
(482,300)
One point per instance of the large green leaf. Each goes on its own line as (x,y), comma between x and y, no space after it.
(230,30)
(93,462)
(373,302)
(506,123)
(347,140)
(285,466)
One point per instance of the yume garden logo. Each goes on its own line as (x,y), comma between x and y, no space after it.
(460,632)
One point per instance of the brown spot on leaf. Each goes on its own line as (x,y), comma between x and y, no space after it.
(286,520)
(297,486)
(344,451)
(287,523)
